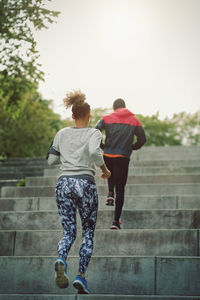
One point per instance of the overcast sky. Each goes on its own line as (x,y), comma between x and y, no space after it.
(144,51)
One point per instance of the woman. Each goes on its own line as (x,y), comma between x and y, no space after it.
(78,149)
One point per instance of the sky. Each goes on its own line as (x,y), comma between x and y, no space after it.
(144,51)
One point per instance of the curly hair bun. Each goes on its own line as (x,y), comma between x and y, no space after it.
(75,98)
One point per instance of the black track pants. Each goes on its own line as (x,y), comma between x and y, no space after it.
(118,167)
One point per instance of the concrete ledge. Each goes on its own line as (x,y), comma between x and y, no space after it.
(24,161)
(131,202)
(134,297)
(137,242)
(8,182)
(131,189)
(179,275)
(7,243)
(187,202)
(29,274)
(137,170)
(94,297)
(37,297)
(174,275)
(164,163)
(20,204)
(139,179)
(132,242)
(156,189)
(131,219)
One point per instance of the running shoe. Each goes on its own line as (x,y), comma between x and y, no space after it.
(61,277)
(81,285)
(116,225)
(110,199)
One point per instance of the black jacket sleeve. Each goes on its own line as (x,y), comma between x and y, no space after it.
(101,126)
(141,138)
(52,151)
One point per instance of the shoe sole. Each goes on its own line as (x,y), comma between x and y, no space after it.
(110,202)
(61,279)
(80,287)
(114,227)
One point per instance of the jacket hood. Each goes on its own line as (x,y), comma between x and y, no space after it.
(123,112)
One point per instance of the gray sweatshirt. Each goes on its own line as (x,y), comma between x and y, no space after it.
(78,150)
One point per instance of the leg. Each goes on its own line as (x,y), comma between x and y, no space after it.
(66,203)
(111,184)
(87,206)
(109,164)
(120,178)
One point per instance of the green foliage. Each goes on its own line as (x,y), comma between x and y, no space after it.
(27,122)
(159,132)
(96,115)
(18,20)
(188,127)
(28,127)
(22,182)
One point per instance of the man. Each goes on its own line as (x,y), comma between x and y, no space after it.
(120,127)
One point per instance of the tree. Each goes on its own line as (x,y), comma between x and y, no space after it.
(160,132)
(96,115)
(181,129)
(18,20)
(27,123)
(188,127)
(28,128)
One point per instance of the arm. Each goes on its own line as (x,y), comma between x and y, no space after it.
(101,126)
(141,138)
(96,153)
(53,155)
(105,172)
(53,159)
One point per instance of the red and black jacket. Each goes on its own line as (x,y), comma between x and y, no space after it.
(120,127)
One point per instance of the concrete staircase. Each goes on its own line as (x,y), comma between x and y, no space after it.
(154,256)
(14,169)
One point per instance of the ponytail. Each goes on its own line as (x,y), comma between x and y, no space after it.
(76,99)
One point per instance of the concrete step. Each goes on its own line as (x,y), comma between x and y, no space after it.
(131,189)
(139,179)
(167,153)
(24,161)
(22,169)
(155,155)
(165,163)
(135,297)
(93,297)
(131,202)
(106,275)
(8,182)
(131,219)
(137,242)
(146,164)
(151,170)
(9,175)
(137,170)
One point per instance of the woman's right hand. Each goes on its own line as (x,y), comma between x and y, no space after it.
(105,172)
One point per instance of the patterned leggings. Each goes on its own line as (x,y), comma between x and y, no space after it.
(71,193)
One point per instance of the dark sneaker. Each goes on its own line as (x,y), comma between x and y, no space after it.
(110,199)
(116,225)
(81,285)
(61,273)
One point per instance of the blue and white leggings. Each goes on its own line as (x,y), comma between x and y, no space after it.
(73,192)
